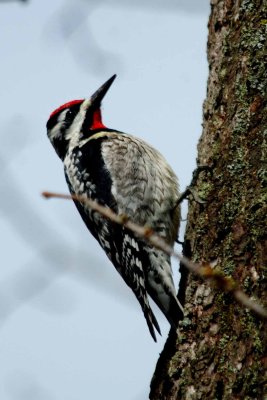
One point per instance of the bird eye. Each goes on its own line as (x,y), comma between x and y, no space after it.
(69,114)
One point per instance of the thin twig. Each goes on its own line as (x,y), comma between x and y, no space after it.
(203,270)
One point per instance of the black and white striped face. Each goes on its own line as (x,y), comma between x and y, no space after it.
(60,125)
(70,122)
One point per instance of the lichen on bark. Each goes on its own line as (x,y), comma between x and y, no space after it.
(219,351)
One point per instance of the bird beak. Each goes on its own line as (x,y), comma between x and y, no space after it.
(100,93)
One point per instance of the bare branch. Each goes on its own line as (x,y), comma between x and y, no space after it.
(204,270)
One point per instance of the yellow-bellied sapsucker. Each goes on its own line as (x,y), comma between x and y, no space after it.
(129,176)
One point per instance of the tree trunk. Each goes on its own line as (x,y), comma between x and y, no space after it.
(219,351)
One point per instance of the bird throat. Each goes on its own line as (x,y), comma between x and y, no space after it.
(97,121)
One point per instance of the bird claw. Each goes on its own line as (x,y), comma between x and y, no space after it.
(189,190)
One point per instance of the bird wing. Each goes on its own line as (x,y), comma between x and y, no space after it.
(133,260)
(121,246)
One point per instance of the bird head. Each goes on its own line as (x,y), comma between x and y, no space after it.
(76,119)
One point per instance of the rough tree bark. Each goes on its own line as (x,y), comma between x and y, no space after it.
(219,351)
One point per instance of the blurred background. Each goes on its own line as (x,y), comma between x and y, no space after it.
(69,327)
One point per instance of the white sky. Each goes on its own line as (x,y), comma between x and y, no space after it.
(69,327)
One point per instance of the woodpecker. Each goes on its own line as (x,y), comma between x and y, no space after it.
(130,177)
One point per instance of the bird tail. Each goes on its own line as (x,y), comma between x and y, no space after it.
(161,288)
(170,306)
(151,320)
(175,312)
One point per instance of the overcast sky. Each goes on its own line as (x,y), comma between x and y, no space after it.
(69,327)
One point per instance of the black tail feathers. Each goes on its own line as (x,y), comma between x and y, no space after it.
(175,312)
(151,322)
